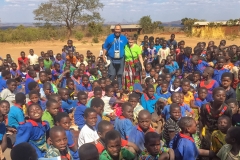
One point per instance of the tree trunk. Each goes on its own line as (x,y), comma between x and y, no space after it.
(69,32)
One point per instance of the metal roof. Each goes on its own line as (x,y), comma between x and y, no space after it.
(206,23)
(127,26)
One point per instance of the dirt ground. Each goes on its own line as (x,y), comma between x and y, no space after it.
(82,46)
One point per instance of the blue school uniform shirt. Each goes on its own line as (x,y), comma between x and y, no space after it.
(2,130)
(200,66)
(147,103)
(189,66)
(184,147)
(34,133)
(13,73)
(165,95)
(198,102)
(123,126)
(61,63)
(158,47)
(68,105)
(26,84)
(184,107)
(64,56)
(63,82)
(79,115)
(71,143)
(218,74)
(213,84)
(99,119)
(16,116)
(77,82)
(87,88)
(172,67)
(137,136)
(55,74)
(3,84)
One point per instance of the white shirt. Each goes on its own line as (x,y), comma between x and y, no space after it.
(33,59)
(9,96)
(78,63)
(87,135)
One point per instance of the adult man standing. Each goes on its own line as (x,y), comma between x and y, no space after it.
(113,48)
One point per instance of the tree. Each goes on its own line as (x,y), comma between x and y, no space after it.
(95,29)
(69,12)
(148,26)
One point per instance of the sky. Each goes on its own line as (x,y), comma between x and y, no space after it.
(20,11)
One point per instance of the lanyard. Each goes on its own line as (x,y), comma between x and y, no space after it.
(118,47)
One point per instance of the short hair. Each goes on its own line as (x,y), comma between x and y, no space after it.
(56,129)
(9,81)
(50,102)
(234,132)
(20,98)
(88,111)
(97,102)
(114,83)
(197,72)
(42,72)
(150,86)
(48,71)
(96,89)
(125,105)
(60,116)
(92,71)
(108,87)
(185,81)
(32,85)
(53,96)
(69,81)
(47,84)
(151,135)
(112,135)
(4,101)
(134,95)
(31,105)
(227,74)
(161,76)
(87,150)
(23,151)
(185,122)
(56,64)
(81,93)
(31,72)
(215,90)
(85,76)
(232,100)
(5,73)
(165,82)
(202,88)
(220,58)
(173,106)
(227,118)
(102,125)
(33,92)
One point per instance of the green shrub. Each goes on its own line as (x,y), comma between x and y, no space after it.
(95,40)
(79,36)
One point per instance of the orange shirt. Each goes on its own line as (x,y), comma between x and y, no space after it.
(72,60)
(228,66)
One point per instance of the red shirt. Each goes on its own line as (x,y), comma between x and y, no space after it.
(25,60)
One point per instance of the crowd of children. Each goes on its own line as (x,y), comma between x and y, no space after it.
(64,105)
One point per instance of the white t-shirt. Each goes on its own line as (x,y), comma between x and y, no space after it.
(33,59)
(9,96)
(78,63)
(163,53)
(87,135)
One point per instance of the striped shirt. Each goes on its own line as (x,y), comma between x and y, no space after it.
(170,126)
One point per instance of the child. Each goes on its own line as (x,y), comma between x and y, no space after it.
(113,140)
(88,151)
(23,151)
(59,60)
(196,80)
(157,152)
(5,76)
(235,111)
(188,96)
(52,108)
(56,72)
(14,71)
(97,104)
(138,132)
(76,78)
(59,147)
(210,113)
(183,143)
(198,65)
(79,114)
(85,85)
(123,124)
(171,127)
(8,94)
(164,90)
(94,75)
(23,60)
(34,131)
(226,81)
(148,69)
(32,75)
(34,97)
(208,82)
(47,62)
(88,132)
(16,115)
(97,92)
(218,136)
(134,101)
(148,99)
(159,83)
(219,70)
(46,90)
(176,86)
(171,65)
(63,120)
(163,52)
(67,104)
(232,148)
(71,89)
(201,99)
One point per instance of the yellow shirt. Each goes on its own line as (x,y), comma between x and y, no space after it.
(188,97)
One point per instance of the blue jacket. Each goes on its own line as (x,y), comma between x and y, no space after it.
(123,126)
(218,74)
(147,103)
(79,115)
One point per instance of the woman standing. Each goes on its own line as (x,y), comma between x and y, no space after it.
(132,57)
